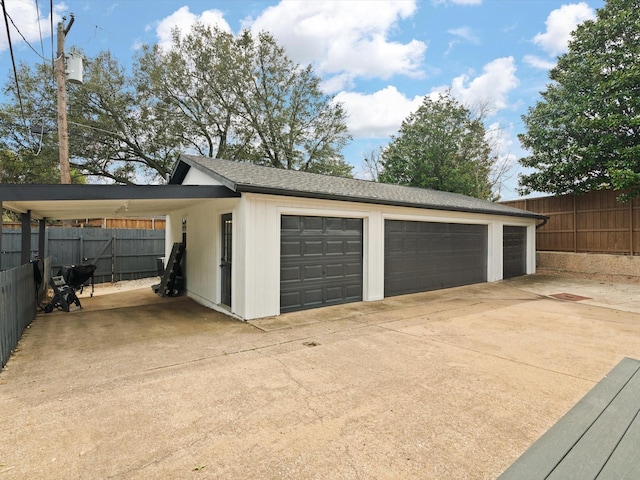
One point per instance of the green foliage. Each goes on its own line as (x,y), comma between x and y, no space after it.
(26,167)
(585,132)
(441,147)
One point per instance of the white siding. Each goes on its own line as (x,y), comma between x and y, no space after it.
(196,177)
(255,277)
(203,247)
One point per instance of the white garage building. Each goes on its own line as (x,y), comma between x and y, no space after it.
(294,240)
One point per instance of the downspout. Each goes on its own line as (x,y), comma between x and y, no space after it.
(544,222)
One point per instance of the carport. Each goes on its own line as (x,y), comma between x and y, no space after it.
(69,202)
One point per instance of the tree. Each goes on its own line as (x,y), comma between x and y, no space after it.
(440,146)
(585,132)
(108,135)
(373,164)
(28,153)
(27,167)
(235,97)
(241,97)
(117,132)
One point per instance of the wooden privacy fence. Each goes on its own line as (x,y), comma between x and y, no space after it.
(134,223)
(19,302)
(591,223)
(119,254)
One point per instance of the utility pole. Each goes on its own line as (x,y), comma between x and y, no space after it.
(61,80)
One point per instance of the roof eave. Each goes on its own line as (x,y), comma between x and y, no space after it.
(244,188)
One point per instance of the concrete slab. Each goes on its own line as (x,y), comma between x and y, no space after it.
(617,296)
(449,384)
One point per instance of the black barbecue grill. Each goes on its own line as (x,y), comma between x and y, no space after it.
(69,280)
(78,276)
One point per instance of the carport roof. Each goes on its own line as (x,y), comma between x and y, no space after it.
(63,202)
(251,178)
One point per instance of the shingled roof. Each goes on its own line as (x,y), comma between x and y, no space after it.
(250,178)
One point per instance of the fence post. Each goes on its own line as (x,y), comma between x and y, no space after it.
(113,258)
(630,226)
(25,242)
(1,227)
(42,228)
(575,225)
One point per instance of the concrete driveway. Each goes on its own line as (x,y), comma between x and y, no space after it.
(451,384)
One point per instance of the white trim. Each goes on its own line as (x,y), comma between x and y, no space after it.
(214,306)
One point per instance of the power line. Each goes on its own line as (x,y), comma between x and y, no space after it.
(40,29)
(13,62)
(20,33)
(53,61)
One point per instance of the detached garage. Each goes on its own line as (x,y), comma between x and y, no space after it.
(292,240)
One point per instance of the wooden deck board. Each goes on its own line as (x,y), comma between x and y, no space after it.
(582,442)
(624,464)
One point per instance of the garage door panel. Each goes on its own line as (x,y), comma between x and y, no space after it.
(290,223)
(423,256)
(354,247)
(291,273)
(335,247)
(311,223)
(335,271)
(312,272)
(290,249)
(354,269)
(290,298)
(312,247)
(329,262)
(334,294)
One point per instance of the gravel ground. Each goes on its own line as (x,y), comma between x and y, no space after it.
(123,286)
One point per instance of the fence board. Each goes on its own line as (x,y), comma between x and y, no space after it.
(19,302)
(132,255)
(17,307)
(133,223)
(591,223)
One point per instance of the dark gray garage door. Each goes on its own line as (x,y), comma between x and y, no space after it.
(514,252)
(320,261)
(423,256)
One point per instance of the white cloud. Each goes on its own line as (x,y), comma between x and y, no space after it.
(457,2)
(184,19)
(492,87)
(465,33)
(379,114)
(347,37)
(31,23)
(537,62)
(560,23)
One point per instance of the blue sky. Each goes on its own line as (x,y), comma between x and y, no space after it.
(379,57)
